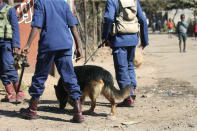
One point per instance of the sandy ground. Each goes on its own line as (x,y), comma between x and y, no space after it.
(166,96)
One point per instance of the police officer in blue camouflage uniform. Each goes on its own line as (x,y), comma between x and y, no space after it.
(52,19)
(123,48)
(9,45)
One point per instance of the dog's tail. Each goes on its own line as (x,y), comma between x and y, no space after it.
(111,91)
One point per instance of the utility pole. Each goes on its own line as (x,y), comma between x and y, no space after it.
(95,22)
(11,2)
(85,29)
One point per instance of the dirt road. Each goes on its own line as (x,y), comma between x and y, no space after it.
(166,96)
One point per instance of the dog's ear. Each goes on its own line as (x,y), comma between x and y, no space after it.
(55,86)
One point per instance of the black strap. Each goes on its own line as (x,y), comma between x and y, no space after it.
(118,10)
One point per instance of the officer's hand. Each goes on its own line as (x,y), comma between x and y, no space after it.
(141,45)
(25,50)
(78,54)
(104,43)
(15,50)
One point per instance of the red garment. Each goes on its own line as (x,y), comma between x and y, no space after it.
(195,28)
(170,25)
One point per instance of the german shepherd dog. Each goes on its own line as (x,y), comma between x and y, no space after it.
(93,81)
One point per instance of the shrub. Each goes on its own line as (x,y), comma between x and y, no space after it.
(190,27)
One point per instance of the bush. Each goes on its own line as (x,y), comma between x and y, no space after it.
(174,29)
(190,30)
(165,27)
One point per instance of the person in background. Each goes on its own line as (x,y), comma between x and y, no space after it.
(73,47)
(195,29)
(182,32)
(170,28)
(53,19)
(9,46)
(159,25)
(154,20)
(123,48)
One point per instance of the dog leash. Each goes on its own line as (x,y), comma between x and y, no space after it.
(94,52)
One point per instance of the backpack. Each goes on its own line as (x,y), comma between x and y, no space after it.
(126,21)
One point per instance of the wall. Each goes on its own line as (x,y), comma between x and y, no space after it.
(24,9)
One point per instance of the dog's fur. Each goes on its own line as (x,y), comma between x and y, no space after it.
(93,81)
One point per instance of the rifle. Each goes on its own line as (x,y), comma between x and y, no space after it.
(24,64)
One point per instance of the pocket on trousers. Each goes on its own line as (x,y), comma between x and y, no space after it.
(9,48)
(120,57)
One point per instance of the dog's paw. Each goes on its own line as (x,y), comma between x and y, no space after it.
(55,86)
(88,112)
(62,106)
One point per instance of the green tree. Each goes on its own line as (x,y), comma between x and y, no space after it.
(152,6)
(181,4)
(11,2)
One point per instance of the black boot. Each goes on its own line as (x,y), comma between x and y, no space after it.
(20,95)
(78,117)
(31,111)
(128,102)
(11,95)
